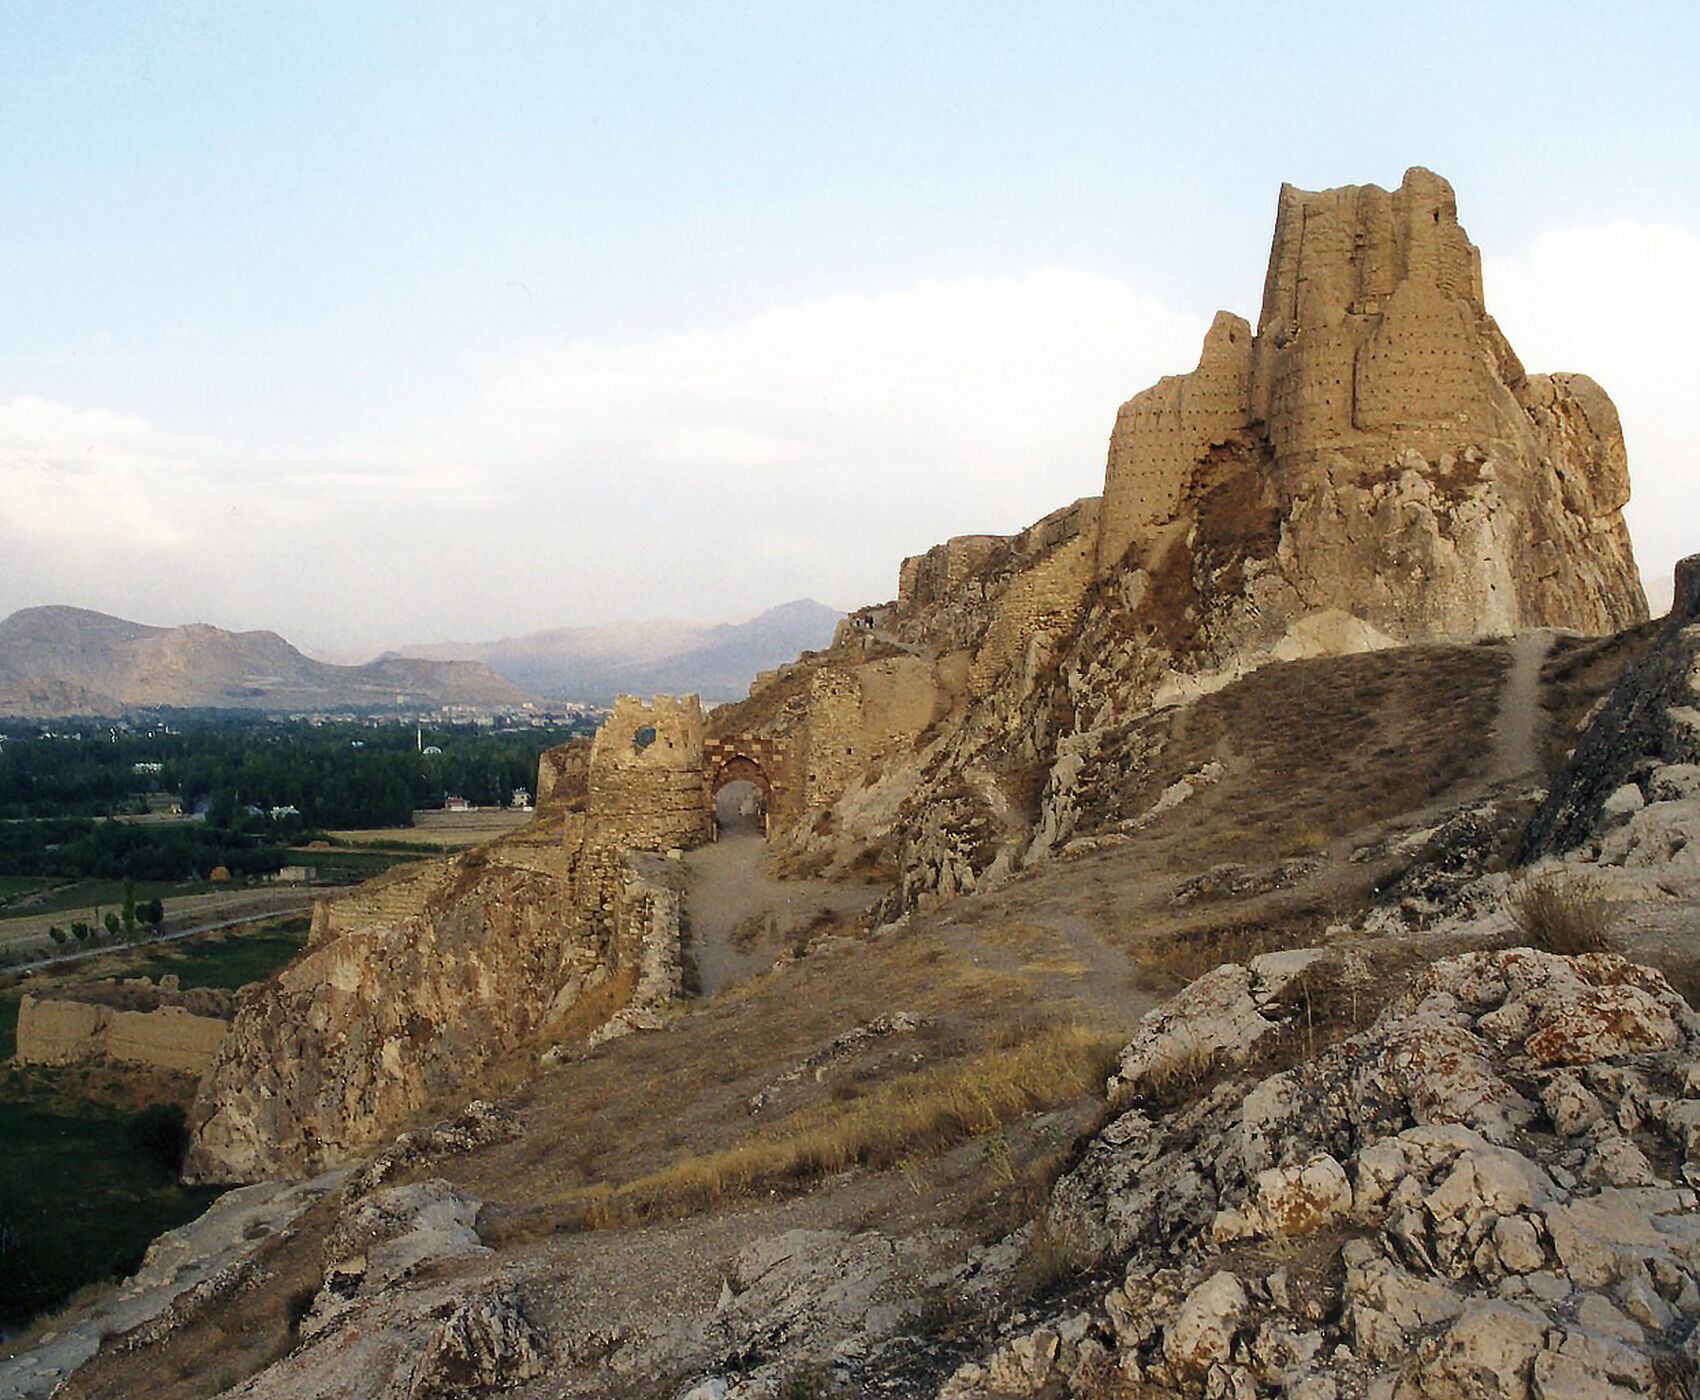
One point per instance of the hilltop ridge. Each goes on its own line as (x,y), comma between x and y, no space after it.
(1121,994)
(57,660)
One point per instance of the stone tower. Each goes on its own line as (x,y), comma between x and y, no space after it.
(646,785)
(1409,474)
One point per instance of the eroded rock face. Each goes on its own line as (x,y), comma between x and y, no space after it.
(1501,1164)
(349,1042)
(414,985)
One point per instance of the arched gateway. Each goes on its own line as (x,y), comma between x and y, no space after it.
(653,775)
(743,759)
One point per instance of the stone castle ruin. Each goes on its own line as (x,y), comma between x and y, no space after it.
(1371,467)
(653,774)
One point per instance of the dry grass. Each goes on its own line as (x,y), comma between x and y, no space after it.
(1312,750)
(1177,1079)
(1191,953)
(890,1123)
(594,1008)
(1558,914)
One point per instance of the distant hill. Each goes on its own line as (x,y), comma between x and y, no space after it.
(60,661)
(594,664)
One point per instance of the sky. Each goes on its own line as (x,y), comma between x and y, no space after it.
(388,323)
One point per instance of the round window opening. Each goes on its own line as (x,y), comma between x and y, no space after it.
(644,737)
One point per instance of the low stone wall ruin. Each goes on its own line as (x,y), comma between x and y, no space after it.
(132,1022)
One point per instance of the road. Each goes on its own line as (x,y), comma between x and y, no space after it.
(183,916)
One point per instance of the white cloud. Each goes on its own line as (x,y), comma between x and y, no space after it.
(714,472)
(1617,302)
(707,473)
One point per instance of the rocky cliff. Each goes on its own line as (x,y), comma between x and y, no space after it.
(375,1021)
(1372,467)
(418,987)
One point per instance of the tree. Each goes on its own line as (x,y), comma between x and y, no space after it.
(129,906)
(153,913)
(81,931)
(113,923)
(57,934)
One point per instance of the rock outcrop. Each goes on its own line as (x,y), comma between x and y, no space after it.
(1372,467)
(1644,746)
(413,987)
(357,1035)
(1499,1170)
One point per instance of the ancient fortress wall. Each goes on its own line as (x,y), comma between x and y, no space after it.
(1421,481)
(61,1031)
(646,788)
(1036,607)
(1373,322)
(1161,433)
(859,714)
(386,898)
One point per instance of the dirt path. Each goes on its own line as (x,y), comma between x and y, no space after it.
(1517,726)
(741,919)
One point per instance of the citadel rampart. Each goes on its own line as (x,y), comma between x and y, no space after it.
(132,1022)
(1426,484)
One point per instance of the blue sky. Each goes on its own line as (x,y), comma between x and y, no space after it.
(386,323)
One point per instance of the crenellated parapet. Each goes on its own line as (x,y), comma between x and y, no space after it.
(646,787)
(1408,472)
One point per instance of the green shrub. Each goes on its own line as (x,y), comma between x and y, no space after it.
(161,1132)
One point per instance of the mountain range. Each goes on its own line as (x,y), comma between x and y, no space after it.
(594,664)
(71,661)
(74,661)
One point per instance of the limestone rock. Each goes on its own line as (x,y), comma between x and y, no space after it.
(1215,1019)
(426,1343)
(1490,1242)
(1202,1333)
(388,1235)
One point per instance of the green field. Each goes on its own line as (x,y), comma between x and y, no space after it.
(80,1201)
(80,1198)
(228,960)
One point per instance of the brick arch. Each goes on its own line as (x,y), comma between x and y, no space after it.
(750,759)
(740,768)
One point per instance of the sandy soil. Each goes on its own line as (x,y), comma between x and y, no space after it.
(741,918)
